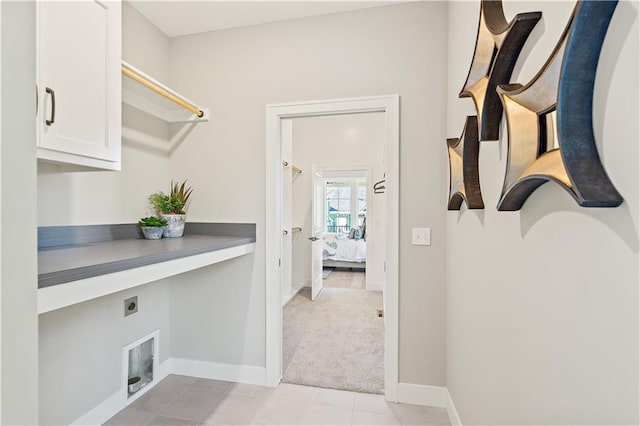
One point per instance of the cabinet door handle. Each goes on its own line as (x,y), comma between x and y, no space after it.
(314,238)
(53,106)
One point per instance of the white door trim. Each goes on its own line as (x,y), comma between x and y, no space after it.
(390,106)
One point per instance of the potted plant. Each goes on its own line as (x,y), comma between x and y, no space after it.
(152,227)
(172,207)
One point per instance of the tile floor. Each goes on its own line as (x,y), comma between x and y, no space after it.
(182,400)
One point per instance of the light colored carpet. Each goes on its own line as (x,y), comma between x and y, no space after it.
(346,279)
(335,342)
(326,273)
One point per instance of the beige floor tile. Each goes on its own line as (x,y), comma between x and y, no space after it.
(326,415)
(288,394)
(372,404)
(364,418)
(212,385)
(249,390)
(335,398)
(278,414)
(193,404)
(161,395)
(178,380)
(420,415)
(234,410)
(131,416)
(163,420)
(183,400)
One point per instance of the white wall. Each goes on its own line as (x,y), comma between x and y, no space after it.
(211,313)
(80,346)
(18,298)
(395,49)
(81,349)
(542,304)
(335,141)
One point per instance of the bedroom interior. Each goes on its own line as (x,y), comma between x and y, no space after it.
(344,243)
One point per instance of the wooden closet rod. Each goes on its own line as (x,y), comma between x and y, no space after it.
(160,90)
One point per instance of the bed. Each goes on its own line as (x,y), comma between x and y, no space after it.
(342,252)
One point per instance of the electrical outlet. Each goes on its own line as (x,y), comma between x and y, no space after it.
(130,306)
(421,237)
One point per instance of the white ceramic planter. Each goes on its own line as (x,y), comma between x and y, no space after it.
(175,225)
(152,232)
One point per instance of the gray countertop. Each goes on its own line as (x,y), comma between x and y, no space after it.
(61,264)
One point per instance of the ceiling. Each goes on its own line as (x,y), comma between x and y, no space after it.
(176,18)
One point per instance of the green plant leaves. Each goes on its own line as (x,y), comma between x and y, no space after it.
(152,221)
(173,203)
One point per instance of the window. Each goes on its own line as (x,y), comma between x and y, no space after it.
(346,204)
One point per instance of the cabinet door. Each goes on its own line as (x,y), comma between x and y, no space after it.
(79,81)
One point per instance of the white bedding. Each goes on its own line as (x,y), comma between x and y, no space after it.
(344,249)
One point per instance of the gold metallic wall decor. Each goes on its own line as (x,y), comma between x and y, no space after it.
(464,180)
(565,85)
(498,45)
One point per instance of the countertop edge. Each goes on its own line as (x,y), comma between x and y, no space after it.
(76,274)
(69,293)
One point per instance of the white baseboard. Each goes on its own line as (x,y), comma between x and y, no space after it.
(432,396)
(110,406)
(454,418)
(103,412)
(212,370)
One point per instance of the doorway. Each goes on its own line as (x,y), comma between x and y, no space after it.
(333,336)
(277,129)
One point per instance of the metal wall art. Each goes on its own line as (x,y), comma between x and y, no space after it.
(565,85)
(498,45)
(464,180)
(549,120)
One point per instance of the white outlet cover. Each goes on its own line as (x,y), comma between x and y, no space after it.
(421,236)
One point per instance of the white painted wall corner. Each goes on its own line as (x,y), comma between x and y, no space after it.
(431,396)
(454,418)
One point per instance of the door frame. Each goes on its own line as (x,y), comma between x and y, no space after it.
(275,113)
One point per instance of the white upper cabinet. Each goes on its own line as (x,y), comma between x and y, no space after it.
(79,82)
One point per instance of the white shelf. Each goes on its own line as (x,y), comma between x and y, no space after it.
(146,99)
(67,294)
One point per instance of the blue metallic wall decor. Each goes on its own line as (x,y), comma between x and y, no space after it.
(564,85)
